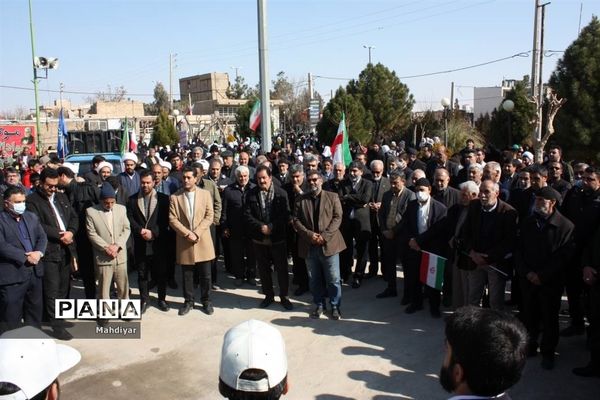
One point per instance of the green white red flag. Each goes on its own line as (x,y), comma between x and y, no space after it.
(340,148)
(432,270)
(255,116)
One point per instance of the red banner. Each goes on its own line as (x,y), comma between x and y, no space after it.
(15,137)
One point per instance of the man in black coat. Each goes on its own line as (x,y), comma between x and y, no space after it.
(380,185)
(442,191)
(488,237)
(356,193)
(148,213)
(421,214)
(81,195)
(60,222)
(232,223)
(391,217)
(581,206)
(23,245)
(543,253)
(267,216)
(413,161)
(440,160)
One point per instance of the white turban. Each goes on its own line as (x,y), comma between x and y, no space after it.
(72,167)
(104,164)
(527,155)
(165,164)
(326,151)
(130,157)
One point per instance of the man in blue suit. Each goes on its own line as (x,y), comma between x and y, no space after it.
(23,245)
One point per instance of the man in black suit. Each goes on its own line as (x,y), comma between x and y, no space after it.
(356,193)
(440,160)
(232,223)
(413,161)
(283,174)
(391,217)
(60,222)
(488,237)
(442,191)
(543,253)
(421,214)
(23,245)
(267,216)
(148,213)
(381,184)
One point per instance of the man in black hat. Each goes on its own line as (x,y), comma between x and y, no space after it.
(542,254)
(413,161)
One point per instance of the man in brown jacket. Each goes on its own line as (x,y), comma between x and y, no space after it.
(317,219)
(191,214)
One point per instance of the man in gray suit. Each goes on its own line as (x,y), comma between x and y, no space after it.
(108,229)
(317,220)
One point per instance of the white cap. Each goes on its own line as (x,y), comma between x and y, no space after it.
(143,165)
(385,148)
(528,155)
(326,151)
(165,164)
(130,157)
(205,165)
(253,345)
(72,167)
(104,164)
(31,360)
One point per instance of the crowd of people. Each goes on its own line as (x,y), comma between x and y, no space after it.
(508,223)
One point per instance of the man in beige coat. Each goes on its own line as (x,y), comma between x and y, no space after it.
(108,229)
(191,214)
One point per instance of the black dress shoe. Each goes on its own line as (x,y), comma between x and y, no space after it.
(287,304)
(144,307)
(300,291)
(387,293)
(61,333)
(251,281)
(413,308)
(335,313)
(267,301)
(163,306)
(316,314)
(370,275)
(172,283)
(355,283)
(588,371)
(186,308)
(208,308)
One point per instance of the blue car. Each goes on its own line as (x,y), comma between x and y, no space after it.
(85,161)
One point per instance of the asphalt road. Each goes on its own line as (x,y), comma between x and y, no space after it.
(375,352)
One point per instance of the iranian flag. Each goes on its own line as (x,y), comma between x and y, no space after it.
(125,138)
(432,270)
(255,116)
(132,141)
(340,149)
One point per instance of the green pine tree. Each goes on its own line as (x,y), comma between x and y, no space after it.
(577,79)
(164,131)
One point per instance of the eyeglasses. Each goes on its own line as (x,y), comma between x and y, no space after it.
(50,186)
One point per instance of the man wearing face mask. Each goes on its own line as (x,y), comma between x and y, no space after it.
(23,245)
(60,222)
(485,354)
(578,171)
(421,214)
(543,253)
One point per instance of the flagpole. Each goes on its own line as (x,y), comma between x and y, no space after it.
(265,101)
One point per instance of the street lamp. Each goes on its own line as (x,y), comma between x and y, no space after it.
(508,106)
(446,104)
(370,48)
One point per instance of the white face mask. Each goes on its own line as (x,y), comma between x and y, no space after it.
(19,208)
(422,197)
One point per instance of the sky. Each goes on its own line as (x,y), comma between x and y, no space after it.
(128,43)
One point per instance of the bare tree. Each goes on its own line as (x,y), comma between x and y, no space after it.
(553,105)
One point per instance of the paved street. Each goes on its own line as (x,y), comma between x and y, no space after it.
(375,352)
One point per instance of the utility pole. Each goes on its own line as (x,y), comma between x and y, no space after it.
(62,87)
(310,86)
(172,61)
(452,96)
(236,71)
(537,85)
(369,48)
(265,96)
